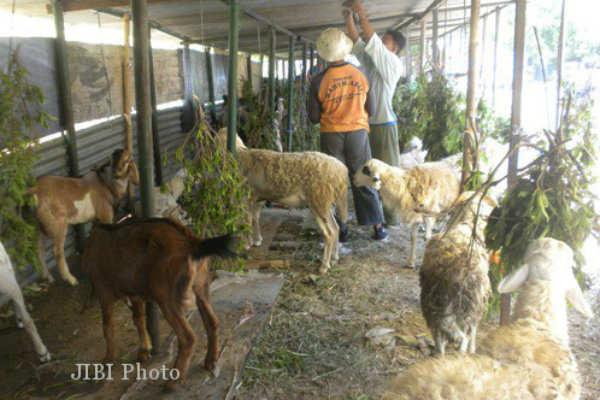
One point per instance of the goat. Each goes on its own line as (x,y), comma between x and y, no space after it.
(528,359)
(417,195)
(157,259)
(10,287)
(61,201)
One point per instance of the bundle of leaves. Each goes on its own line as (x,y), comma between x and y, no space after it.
(551,197)
(305,136)
(431,109)
(215,196)
(20,114)
(256,119)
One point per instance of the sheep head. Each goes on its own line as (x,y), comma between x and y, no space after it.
(550,260)
(370,174)
(239,143)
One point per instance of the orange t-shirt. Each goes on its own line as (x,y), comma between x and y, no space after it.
(342,91)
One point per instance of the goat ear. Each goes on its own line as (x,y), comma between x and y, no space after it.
(575,297)
(514,280)
(133,173)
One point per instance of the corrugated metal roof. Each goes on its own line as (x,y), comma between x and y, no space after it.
(207,21)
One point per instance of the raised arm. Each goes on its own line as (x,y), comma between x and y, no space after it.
(352,32)
(365,24)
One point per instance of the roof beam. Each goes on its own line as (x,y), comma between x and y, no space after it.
(422,15)
(82,5)
(490,4)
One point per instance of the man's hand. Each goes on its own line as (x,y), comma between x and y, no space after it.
(355,5)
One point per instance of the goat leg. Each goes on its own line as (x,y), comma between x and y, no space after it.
(413,247)
(211,324)
(472,339)
(139,318)
(59,253)
(41,243)
(27,323)
(108,328)
(186,340)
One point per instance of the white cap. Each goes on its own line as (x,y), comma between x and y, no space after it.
(333,45)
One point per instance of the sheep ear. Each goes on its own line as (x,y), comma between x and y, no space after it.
(575,297)
(514,280)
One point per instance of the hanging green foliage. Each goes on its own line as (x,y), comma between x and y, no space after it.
(215,198)
(306,135)
(431,109)
(256,120)
(20,114)
(552,197)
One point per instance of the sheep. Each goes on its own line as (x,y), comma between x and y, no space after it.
(417,195)
(165,198)
(10,287)
(157,259)
(455,286)
(297,180)
(61,201)
(414,155)
(528,359)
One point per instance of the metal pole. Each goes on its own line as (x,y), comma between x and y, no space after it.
(127,103)
(189,107)
(496,37)
(211,85)
(234,35)
(422,53)
(158,174)
(434,40)
(67,120)
(482,63)
(141,64)
(271,83)
(290,127)
(408,56)
(249,68)
(559,62)
(312,60)
(519,53)
(303,118)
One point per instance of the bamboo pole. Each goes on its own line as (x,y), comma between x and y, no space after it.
(141,58)
(211,85)
(482,63)
(158,174)
(290,82)
(434,39)
(127,103)
(559,62)
(470,148)
(519,55)
(234,33)
(422,51)
(496,38)
(271,82)
(408,56)
(249,68)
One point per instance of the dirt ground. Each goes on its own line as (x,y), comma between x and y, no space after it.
(315,346)
(312,347)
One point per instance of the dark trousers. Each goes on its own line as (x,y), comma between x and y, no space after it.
(353,149)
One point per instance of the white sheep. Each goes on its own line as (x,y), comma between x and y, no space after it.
(10,287)
(297,180)
(455,286)
(528,359)
(417,195)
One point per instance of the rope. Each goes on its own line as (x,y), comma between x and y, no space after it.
(109,100)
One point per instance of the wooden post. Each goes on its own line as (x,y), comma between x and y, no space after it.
(290,127)
(519,53)
(435,57)
(234,33)
(67,120)
(158,174)
(211,85)
(470,150)
(482,63)
(496,37)
(141,64)
(408,56)
(271,82)
(559,62)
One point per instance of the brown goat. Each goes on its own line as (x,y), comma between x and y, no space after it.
(158,259)
(62,201)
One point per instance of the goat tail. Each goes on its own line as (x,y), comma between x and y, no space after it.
(222,246)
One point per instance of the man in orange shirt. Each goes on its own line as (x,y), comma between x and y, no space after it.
(340,100)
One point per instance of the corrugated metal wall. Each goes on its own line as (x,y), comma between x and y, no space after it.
(94,145)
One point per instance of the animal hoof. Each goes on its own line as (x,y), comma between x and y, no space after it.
(410,266)
(211,366)
(143,355)
(323,270)
(170,386)
(257,243)
(71,280)
(49,278)
(45,358)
